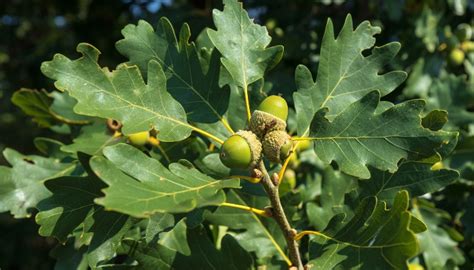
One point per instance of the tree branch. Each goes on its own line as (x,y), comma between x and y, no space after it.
(280,217)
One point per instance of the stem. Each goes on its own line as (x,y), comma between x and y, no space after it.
(303,233)
(280,217)
(207,134)
(259,212)
(281,173)
(227,126)
(252,180)
(247,103)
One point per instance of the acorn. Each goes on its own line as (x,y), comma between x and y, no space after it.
(467,46)
(242,150)
(464,32)
(303,145)
(270,115)
(456,57)
(139,138)
(277,146)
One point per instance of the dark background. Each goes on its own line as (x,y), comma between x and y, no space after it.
(31,31)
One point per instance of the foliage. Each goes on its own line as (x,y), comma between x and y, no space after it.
(387,182)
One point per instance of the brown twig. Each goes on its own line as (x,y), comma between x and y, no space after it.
(280,217)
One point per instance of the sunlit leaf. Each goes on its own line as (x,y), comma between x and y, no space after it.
(121,94)
(344,73)
(141,186)
(243,44)
(359,137)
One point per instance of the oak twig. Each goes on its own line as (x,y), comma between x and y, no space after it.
(280,217)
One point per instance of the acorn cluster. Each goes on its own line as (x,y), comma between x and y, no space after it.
(460,44)
(266,137)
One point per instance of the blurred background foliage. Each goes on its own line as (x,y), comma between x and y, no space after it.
(31,31)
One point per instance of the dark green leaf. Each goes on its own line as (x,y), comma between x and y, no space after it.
(436,245)
(454,95)
(435,120)
(198,92)
(334,187)
(344,74)
(72,201)
(416,178)
(141,186)
(46,108)
(359,137)
(157,223)
(108,229)
(35,104)
(121,94)
(375,238)
(243,44)
(92,140)
(263,237)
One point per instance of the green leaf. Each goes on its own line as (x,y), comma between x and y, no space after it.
(71,209)
(35,104)
(359,137)
(468,217)
(141,186)
(435,120)
(436,245)
(157,223)
(426,26)
(68,257)
(416,178)
(50,147)
(243,44)
(62,109)
(344,74)
(108,230)
(176,238)
(71,203)
(461,158)
(92,139)
(196,89)
(375,238)
(454,95)
(21,186)
(47,109)
(149,256)
(263,237)
(120,94)
(334,187)
(204,254)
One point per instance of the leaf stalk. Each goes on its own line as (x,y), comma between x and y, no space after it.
(259,212)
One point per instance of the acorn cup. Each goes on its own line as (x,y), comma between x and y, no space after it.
(270,115)
(277,146)
(242,150)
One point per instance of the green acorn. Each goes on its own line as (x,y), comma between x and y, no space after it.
(464,32)
(277,146)
(456,57)
(270,115)
(242,150)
